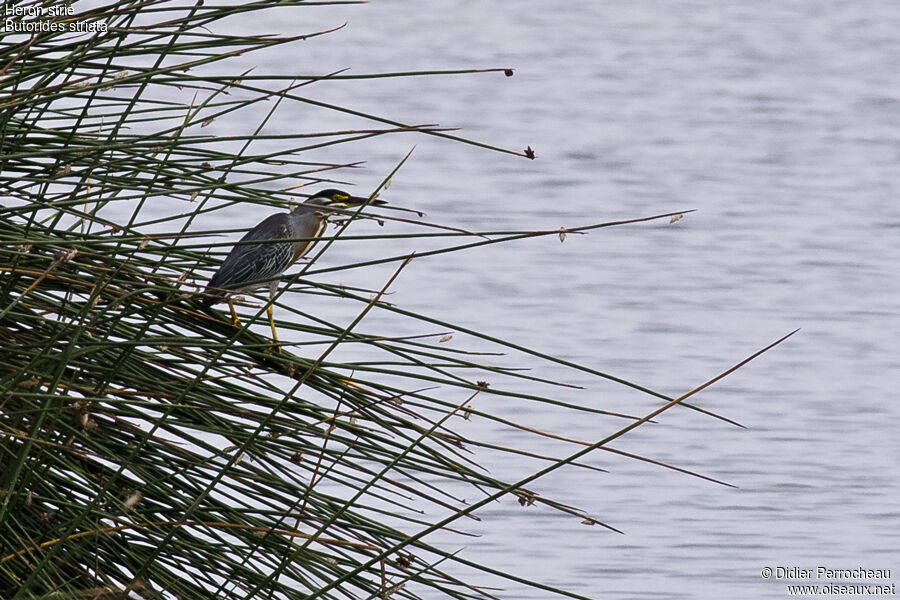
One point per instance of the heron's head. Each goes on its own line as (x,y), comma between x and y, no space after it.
(332,198)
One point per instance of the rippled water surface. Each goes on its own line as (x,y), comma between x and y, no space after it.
(780,123)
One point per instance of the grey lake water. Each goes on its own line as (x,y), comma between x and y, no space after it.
(779,122)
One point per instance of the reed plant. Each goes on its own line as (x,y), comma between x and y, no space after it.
(148,447)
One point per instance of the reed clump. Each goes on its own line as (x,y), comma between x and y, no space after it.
(152,449)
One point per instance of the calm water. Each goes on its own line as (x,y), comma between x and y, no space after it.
(780,123)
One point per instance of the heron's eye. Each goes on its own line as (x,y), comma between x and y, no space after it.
(340,197)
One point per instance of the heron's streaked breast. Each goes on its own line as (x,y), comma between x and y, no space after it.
(301,248)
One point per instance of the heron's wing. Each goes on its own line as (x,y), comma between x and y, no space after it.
(254,262)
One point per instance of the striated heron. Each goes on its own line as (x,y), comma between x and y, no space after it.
(251,266)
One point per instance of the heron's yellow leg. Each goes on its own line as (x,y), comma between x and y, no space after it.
(275,345)
(234,317)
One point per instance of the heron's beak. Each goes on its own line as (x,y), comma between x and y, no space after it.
(356,201)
